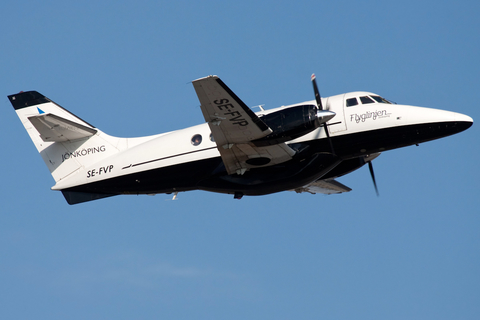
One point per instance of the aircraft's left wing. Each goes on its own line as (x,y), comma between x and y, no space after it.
(325,187)
(234,125)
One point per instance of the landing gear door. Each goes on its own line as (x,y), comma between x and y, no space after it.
(337,104)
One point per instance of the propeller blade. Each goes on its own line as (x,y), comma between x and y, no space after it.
(320,107)
(317,93)
(370,167)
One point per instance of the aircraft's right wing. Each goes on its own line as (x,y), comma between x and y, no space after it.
(234,125)
(325,187)
(223,110)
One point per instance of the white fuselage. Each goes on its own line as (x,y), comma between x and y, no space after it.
(175,148)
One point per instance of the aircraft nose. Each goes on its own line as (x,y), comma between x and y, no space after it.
(439,123)
(463,121)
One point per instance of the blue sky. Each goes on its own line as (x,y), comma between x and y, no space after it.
(126,67)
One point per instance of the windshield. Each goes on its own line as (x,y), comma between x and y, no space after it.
(380,99)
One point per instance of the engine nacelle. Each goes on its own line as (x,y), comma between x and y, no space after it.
(291,123)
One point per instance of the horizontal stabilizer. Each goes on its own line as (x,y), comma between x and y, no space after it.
(325,187)
(53,128)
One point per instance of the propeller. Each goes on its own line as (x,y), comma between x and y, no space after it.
(370,167)
(368,159)
(320,108)
(317,93)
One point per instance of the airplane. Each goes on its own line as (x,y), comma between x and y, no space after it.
(301,147)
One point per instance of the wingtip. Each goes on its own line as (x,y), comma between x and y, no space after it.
(214,77)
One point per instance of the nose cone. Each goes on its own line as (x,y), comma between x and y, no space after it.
(445,123)
(463,121)
(463,118)
(430,124)
(449,122)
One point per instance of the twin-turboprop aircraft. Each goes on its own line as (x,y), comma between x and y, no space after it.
(301,147)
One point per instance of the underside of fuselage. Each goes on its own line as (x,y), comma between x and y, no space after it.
(313,161)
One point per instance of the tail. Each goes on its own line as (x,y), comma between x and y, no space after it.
(66,143)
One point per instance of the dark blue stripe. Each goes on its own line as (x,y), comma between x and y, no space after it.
(27,99)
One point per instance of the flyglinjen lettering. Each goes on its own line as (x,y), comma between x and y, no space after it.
(82,153)
(368,115)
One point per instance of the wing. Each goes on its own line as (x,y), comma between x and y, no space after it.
(325,187)
(235,122)
(234,125)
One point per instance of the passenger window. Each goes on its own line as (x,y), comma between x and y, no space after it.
(352,102)
(196,139)
(366,100)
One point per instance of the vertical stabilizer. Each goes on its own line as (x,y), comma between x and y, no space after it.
(65,142)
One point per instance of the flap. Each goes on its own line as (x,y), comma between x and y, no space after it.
(53,128)
(241,157)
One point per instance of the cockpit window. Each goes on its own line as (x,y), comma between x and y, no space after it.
(380,99)
(352,102)
(366,100)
